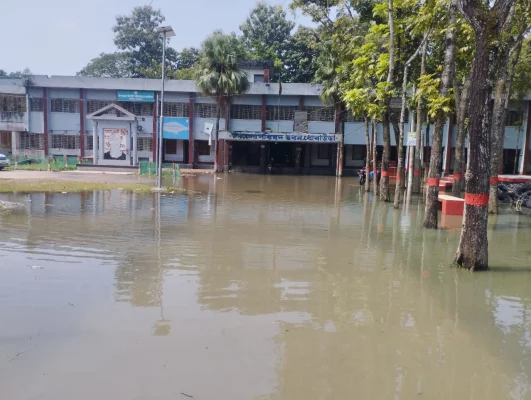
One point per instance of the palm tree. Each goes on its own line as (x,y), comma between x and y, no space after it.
(219,74)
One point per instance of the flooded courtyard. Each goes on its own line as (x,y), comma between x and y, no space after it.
(256,287)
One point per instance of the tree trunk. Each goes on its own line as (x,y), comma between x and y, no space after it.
(419,148)
(368,156)
(384,178)
(472,252)
(400,140)
(374,158)
(499,113)
(460,141)
(216,141)
(399,149)
(434,173)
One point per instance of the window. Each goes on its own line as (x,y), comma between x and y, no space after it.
(65,105)
(139,109)
(5,140)
(171,146)
(282,113)
(36,104)
(203,149)
(322,151)
(347,116)
(258,78)
(12,103)
(176,109)
(325,114)
(95,105)
(514,118)
(241,111)
(204,110)
(89,142)
(31,141)
(358,152)
(60,141)
(145,143)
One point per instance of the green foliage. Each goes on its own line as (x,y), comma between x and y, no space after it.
(428,89)
(302,52)
(140,50)
(266,34)
(218,71)
(17,74)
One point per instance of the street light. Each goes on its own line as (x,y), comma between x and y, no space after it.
(165,32)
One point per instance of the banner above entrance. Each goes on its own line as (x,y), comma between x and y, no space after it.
(281,137)
(176,128)
(136,96)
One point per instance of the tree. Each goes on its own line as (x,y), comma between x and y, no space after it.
(17,74)
(109,65)
(439,110)
(139,49)
(266,34)
(488,21)
(219,74)
(302,52)
(136,35)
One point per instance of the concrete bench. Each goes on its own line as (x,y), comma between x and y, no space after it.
(451,205)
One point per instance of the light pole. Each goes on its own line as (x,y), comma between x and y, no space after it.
(166,32)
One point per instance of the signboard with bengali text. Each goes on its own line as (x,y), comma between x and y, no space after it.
(138,96)
(281,137)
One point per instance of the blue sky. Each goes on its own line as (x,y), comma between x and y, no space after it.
(59,37)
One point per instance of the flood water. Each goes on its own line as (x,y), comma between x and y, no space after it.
(256,287)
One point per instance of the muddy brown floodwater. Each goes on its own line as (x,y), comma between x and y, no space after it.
(256,287)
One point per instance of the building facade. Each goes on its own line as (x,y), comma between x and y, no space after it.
(285,125)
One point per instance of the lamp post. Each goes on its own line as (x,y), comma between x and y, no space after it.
(166,32)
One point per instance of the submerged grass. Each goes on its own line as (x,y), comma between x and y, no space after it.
(28,186)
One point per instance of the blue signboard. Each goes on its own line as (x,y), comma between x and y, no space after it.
(136,95)
(176,128)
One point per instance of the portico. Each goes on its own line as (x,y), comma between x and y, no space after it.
(114,137)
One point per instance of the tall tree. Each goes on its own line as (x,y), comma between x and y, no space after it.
(488,21)
(266,33)
(302,52)
(219,74)
(109,65)
(440,112)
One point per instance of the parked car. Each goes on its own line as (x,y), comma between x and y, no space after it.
(4,161)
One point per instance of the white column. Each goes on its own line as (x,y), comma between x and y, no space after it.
(101,144)
(95,142)
(135,144)
(14,143)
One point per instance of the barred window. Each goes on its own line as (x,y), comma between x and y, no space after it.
(140,109)
(205,110)
(65,105)
(5,140)
(324,114)
(145,143)
(282,113)
(36,104)
(31,141)
(513,118)
(89,142)
(176,109)
(61,141)
(12,103)
(95,105)
(244,111)
(347,116)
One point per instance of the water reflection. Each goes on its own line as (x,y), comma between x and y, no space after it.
(258,287)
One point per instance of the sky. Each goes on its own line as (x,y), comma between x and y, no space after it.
(59,37)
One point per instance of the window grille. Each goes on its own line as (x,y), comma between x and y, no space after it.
(243,111)
(95,105)
(145,143)
(176,109)
(207,110)
(282,113)
(12,103)
(36,104)
(64,141)
(324,114)
(139,109)
(65,105)
(31,141)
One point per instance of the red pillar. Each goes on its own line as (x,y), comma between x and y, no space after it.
(264,112)
(81,124)
(45,119)
(155,108)
(448,145)
(191,114)
(337,117)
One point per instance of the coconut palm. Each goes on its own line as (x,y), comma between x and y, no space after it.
(219,74)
